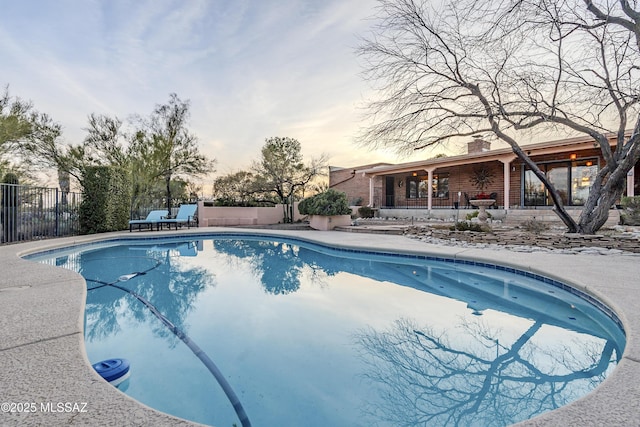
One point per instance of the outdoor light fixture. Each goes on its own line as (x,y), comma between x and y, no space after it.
(589,163)
(414,174)
(573,156)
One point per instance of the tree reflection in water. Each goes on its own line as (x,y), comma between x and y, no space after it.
(278,265)
(462,372)
(170,286)
(425,380)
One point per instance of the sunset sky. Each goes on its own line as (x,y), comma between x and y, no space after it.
(251,69)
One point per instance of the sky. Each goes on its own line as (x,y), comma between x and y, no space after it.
(251,69)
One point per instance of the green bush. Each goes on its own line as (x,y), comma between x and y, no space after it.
(331,202)
(106,193)
(630,214)
(365,212)
(475,214)
(228,202)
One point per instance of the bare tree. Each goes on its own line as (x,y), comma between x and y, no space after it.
(447,70)
(425,379)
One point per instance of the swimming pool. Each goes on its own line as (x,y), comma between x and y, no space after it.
(307,335)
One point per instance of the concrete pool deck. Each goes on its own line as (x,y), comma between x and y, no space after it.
(45,373)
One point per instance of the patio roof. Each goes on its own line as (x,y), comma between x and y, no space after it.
(504,155)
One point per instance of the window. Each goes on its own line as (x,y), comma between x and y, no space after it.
(583,174)
(534,191)
(440,185)
(418,186)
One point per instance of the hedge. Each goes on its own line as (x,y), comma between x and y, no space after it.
(106,193)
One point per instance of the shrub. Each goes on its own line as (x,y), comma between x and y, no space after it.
(330,202)
(475,214)
(467,226)
(228,202)
(105,201)
(630,214)
(365,212)
(534,226)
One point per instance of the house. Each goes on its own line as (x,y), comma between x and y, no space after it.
(354,184)
(451,182)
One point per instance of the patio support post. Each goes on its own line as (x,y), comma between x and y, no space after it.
(506,167)
(506,173)
(371,177)
(630,182)
(429,187)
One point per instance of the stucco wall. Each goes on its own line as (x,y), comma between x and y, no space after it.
(209,216)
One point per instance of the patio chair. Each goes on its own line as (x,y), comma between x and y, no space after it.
(154,217)
(467,201)
(186,216)
(494,196)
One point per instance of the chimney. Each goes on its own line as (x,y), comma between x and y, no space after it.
(478,146)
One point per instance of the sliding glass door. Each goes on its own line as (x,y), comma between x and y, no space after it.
(572,179)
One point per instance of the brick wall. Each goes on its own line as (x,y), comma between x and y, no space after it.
(460,180)
(355,185)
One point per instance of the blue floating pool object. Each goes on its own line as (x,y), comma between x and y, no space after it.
(113,370)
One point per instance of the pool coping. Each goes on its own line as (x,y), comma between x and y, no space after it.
(43,364)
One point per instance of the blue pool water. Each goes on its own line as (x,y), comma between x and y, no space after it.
(308,335)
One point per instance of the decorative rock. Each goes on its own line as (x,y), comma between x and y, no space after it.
(523,242)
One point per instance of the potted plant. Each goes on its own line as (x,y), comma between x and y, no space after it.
(326,210)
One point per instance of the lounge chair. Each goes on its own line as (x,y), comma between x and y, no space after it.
(186,216)
(154,217)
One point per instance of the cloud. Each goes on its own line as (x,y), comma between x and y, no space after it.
(251,69)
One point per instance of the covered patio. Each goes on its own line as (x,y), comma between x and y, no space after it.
(453,182)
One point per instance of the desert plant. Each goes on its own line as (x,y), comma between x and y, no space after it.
(365,212)
(331,202)
(534,226)
(630,214)
(475,214)
(467,226)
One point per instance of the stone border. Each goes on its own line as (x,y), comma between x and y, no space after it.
(42,356)
(563,242)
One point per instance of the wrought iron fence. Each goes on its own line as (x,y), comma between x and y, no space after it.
(33,213)
(449,201)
